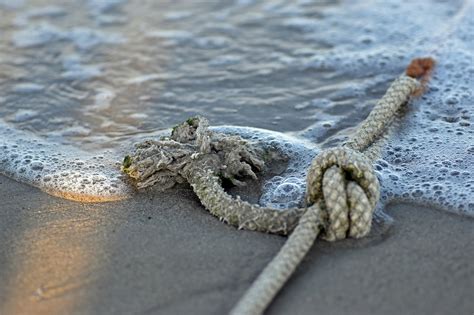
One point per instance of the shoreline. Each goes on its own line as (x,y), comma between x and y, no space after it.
(163,253)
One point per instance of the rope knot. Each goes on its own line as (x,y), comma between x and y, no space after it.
(343,182)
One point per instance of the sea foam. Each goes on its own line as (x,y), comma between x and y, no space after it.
(60,170)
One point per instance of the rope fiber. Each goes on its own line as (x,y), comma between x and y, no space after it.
(342,188)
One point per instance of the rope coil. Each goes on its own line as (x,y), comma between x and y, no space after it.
(342,188)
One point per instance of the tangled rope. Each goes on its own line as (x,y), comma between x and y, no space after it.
(342,188)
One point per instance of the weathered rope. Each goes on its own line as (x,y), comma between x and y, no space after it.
(342,188)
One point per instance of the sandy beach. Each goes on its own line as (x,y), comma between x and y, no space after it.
(162,253)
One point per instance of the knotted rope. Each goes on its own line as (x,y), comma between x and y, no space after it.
(342,188)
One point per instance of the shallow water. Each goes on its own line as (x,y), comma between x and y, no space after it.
(87,79)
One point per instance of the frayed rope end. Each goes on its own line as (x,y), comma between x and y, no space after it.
(421,68)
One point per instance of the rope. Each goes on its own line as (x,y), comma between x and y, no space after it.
(341,207)
(342,188)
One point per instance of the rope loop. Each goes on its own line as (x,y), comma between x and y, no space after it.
(343,182)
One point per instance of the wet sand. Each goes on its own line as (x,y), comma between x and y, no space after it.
(162,253)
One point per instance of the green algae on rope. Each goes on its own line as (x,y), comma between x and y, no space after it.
(342,189)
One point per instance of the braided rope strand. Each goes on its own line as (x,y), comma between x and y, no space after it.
(383,113)
(282,266)
(237,212)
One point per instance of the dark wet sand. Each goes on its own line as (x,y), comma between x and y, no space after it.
(163,254)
